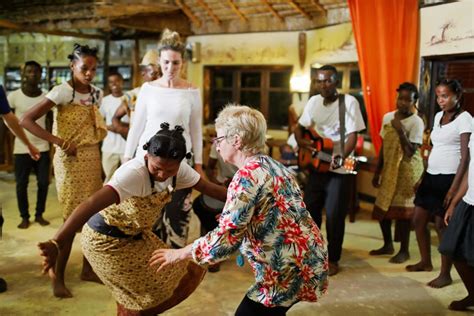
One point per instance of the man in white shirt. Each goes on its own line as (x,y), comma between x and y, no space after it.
(22,100)
(113,145)
(330,189)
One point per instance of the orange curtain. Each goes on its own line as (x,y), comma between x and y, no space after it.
(386,34)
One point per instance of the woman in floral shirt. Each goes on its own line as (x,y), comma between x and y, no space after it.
(265,218)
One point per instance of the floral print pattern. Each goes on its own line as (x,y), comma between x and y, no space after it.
(266,219)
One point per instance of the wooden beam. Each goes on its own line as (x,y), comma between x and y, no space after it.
(209,11)
(269,6)
(188,12)
(156,23)
(237,11)
(20,28)
(298,8)
(318,5)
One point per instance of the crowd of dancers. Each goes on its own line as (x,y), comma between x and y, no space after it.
(135,223)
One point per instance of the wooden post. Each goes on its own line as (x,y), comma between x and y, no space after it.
(106,62)
(135,67)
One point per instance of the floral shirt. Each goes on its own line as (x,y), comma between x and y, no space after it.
(265,217)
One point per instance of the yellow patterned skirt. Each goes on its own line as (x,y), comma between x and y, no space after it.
(399,175)
(77,177)
(122,264)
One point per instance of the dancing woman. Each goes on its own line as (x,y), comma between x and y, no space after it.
(265,218)
(170,99)
(118,240)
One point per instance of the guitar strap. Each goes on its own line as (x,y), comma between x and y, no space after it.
(342,122)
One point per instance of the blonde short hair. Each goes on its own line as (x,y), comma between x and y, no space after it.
(170,40)
(245,122)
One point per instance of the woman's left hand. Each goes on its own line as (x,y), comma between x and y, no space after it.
(165,257)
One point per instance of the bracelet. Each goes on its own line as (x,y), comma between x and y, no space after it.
(65,146)
(55,243)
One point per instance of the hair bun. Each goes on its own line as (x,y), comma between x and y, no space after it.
(169,37)
(165,125)
(179,129)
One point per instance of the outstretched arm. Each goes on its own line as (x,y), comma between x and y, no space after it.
(216,191)
(95,203)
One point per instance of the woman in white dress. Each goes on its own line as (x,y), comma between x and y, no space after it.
(176,101)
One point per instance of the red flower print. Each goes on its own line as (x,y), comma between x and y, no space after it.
(307,294)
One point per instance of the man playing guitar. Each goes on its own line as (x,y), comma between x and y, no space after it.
(330,189)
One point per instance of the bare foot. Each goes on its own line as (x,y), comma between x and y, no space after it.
(385,250)
(420,266)
(400,257)
(440,281)
(59,288)
(90,277)
(462,305)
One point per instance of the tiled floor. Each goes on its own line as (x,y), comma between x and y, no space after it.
(365,286)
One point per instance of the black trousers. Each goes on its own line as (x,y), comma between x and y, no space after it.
(330,191)
(251,308)
(23,166)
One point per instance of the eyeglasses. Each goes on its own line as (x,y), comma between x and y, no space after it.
(217,140)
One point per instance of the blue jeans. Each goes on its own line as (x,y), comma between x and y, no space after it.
(330,191)
(23,166)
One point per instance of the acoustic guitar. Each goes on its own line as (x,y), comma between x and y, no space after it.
(319,157)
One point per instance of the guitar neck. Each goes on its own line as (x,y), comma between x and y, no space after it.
(324,156)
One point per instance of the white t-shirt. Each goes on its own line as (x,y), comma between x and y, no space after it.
(113,142)
(446,153)
(325,119)
(22,103)
(469,197)
(412,125)
(156,105)
(133,179)
(62,94)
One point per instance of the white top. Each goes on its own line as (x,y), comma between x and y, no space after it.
(225,170)
(62,94)
(113,142)
(156,105)
(22,103)
(446,153)
(413,126)
(133,179)
(469,197)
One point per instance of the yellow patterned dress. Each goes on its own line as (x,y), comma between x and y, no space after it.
(122,263)
(399,176)
(78,177)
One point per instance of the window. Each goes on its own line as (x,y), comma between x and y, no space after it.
(266,88)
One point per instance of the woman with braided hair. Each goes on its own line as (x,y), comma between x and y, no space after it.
(171,99)
(77,130)
(118,239)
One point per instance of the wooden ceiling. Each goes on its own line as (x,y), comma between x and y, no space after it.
(119,19)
